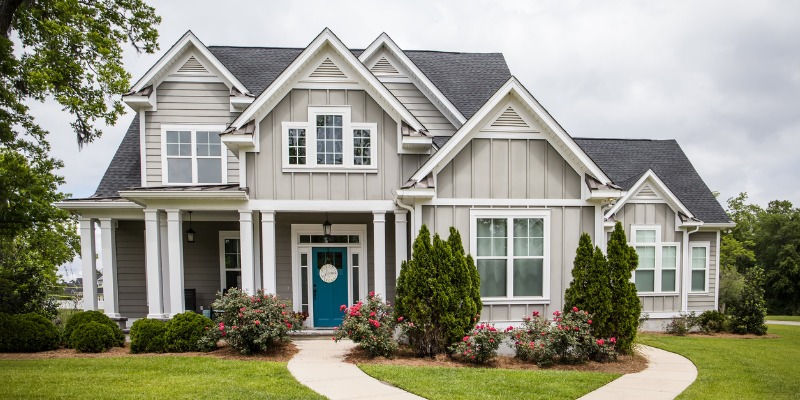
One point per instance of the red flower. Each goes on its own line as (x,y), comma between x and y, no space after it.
(289,325)
(257,322)
(590,322)
(613,340)
(399,319)
(575,309)
(557,313)
(535,313)
(601,342)
(342,307)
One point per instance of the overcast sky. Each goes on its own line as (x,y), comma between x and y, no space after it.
(721,77)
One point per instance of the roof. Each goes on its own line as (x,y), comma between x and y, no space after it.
(125,169)
(626,160)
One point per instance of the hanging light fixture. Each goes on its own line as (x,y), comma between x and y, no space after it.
(190,231)
(326,228)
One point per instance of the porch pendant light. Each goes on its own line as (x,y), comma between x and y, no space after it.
(190,231)
(326,228)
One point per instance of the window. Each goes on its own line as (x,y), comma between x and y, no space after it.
(511,253)
(334,142)
(193,155)
(699,262)
(230,251)
(658,261)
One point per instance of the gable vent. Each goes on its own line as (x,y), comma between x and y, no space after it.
(647,192)
(383,67)
(509,119)
(192,66)
(327,70)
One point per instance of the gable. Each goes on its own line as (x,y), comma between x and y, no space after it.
(192,67)
(326,71)
(384,67)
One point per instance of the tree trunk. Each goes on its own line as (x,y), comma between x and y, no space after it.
(7,10)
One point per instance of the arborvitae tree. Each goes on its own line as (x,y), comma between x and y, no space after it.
(575,295)
(466,284)
(748,314)
(625,305)
(590,287)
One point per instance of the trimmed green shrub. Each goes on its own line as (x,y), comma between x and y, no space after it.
(147,336)
(93,337)
(590,288)
(76,321)
(748,315)
(712,321)
(184,331)
(438,293)
(623,322)
(682,325)
(27,333)
(370,325)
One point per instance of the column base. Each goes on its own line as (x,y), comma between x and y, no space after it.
(157,316)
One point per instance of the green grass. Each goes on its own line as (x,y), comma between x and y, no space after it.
(739,368)
(484,383)
(795,318)
(149,377)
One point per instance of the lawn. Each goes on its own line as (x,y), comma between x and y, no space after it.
(795,318)
(172,377)
(734,368)
(484,383)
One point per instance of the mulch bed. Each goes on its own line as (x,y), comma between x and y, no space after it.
(406,357)
(281,353)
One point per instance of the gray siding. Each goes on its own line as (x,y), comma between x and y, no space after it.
(422,108)
(508,168)
(268,181)
(190,103)
(702,302)
(566,226)
(131,269)
(201,260)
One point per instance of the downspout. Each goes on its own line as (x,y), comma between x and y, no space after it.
(406,207)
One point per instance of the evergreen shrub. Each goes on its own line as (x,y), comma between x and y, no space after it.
(84,317)
(93,337)
(184,331)
(712,321)
(27,333)
(748,314)
(147,336)
(626,309)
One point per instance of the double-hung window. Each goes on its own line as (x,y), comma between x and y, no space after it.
(193,155)
(658,261)
(698,259)
(511,249)
(329,141)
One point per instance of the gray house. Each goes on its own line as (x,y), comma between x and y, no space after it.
(307,172)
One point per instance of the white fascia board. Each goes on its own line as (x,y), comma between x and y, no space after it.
(385,40)
(187,39)
(718,225)
(240,103)
(281,84)
(604,194)
(671,199)
(322,205)
(239,142)
(471,127)
(138,102)
(94,205)
(135,195)
(417,193)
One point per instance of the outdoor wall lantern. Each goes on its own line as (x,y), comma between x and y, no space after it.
(326,228)
(190,231)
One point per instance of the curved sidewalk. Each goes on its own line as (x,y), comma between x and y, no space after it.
(667,375)
(320,366)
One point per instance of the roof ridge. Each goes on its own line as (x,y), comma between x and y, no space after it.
(355,49)
(627,139)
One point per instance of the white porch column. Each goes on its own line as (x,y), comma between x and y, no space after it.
(246,240)
(379,246)
(268,247)
(163,240)
(400,241)
(175,248)
(153,264)
(108,242)
(257,251)
(88,264)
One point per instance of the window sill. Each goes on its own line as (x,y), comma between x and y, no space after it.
(514,301)
(657,294)
(339,170)
(699,293)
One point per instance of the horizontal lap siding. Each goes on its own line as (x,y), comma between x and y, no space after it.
(702,302)
(201,260)
(132,290)
(187,103)
(419,106)
(270,182)
(508,169)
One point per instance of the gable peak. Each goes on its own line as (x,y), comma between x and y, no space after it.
(510,119)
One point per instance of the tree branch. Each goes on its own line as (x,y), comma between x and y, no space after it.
(7,10)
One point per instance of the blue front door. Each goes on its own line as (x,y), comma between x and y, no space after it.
(329,284)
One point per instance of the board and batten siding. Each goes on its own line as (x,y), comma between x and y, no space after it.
(508,169)
(422,108)
(187,103)
(267,180)
(131,282)
(566,226)
(201,261)
(705,301)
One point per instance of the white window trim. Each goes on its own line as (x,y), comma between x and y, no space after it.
(658,270)
(707,246)
(347,142)
(193,129)
(222,236)
(510,214)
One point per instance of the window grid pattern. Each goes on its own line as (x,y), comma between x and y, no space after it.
(657,271)
(361,147)
(519,273)
(297,146)
(329,140)
(699,262)
(208,149)
(232,263)
(179,156)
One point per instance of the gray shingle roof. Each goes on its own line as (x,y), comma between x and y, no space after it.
(125,169)
(255,67)
(625,161)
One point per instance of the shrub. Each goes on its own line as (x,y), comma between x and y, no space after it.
(370,325)
(712,321)
(623,322)
(567,340)
(438,293)
(183,332)
(748,315)
(590,288)
(682,325)
(27,333)
(84,317)
(93,337)
(480,345)
(250,323)
(147,336)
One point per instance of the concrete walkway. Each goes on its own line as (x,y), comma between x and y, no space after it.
(320,366)
(666,376)
(793,323)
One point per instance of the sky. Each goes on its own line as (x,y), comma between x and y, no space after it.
(720,77)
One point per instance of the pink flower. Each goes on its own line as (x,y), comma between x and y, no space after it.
(399,319)
(574,309)
(372,313)
(535,313)
(466,338)
(289,325)
(257,322)
(601,342)
(242,309)
(557,313)
(342,307)
(613,340)
(590,322)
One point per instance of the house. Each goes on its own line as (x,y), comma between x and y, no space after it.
(307,172)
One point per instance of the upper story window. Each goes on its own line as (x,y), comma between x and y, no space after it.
(658,261)
(329,140)
(192,155)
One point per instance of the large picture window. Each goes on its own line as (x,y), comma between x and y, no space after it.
(329,141)
(192,155)
(511,253)
(658,261)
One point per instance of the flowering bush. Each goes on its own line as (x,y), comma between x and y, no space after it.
(565,340)
(370,325)
(251,323)
(480,345)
